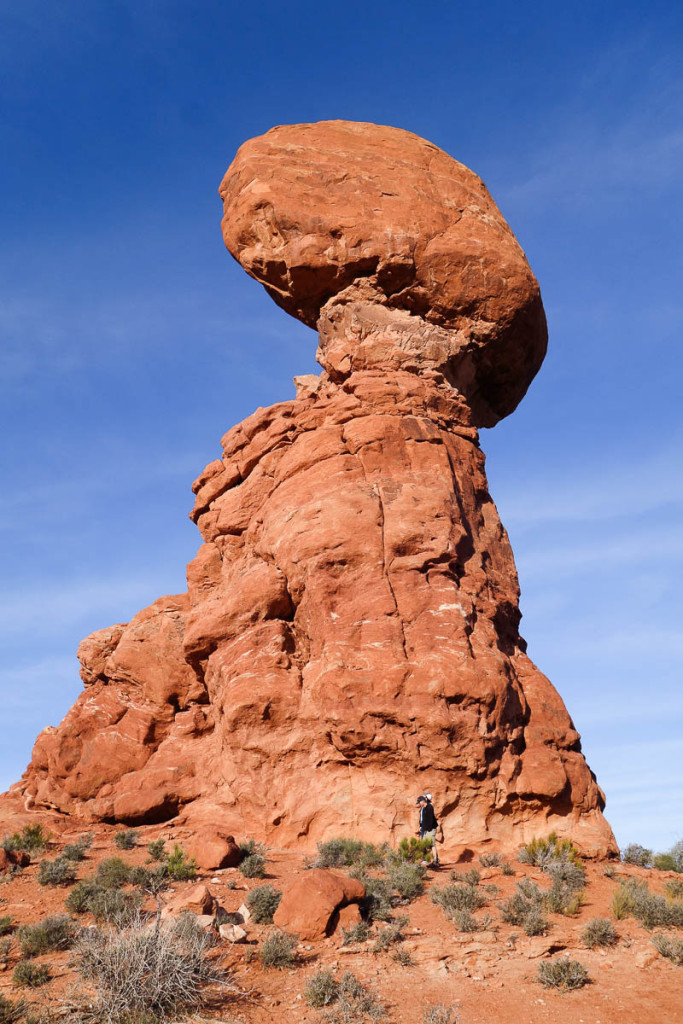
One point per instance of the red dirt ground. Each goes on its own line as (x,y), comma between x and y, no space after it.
(490,979)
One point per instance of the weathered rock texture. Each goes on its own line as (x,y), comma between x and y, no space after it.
(349,636)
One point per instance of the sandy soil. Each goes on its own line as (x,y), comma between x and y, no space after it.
(491,979)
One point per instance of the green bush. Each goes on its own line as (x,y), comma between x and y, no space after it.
(407,879)
(263,901)
(507,868)
(57,931)
(10,1012)
(5,925)
(113,873)
(104,902)
(77,851)
(32,839)
(30,975)
(179,867)
(415,850)
(278,949)
(524,908)
(249,846)
(253,866)
(599,932)
(669,946)
(544,852)
(56,872)
(127,839)
(672,860)
(566,892)
(346,853)
(562,973)
(157,850)
(638,855)
(321,989)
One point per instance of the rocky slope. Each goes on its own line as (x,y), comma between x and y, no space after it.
(349,636)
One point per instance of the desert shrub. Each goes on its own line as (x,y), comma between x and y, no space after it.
(150,880)
(157,849)
(524,908)
(634,899)
(57,931)
(355,1002)
(490,889)
(464,921)
(11,1011)
(179,867)
(455,898)
(440,1014)
(253,866)
(669,946)
(407,879)
(249,846)
(278,949)
(415,850)
(30,975)
(403,957)
(599,932)
(5,925)
(113,873)
(378,903)
(321,989)
(490,860)
(357,933)
(562,973)
(32,839)
(346,853)
(609,871)
(636,854)
(56,872)
(672,860)
(142,973)
(77,851)
(127,839)
(5,947)
(566,892)
(673,889)
(105,903)
(544,852)
(507,868)
(388,936)
(263,902)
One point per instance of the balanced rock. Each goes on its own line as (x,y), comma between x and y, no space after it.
(309,904)
(350,632)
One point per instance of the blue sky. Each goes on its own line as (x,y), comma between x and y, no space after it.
(130,340)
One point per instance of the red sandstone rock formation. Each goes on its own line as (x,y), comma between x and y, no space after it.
(349,636)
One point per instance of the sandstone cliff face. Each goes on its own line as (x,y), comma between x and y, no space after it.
(349,636)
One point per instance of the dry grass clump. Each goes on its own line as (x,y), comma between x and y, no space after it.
(358,933)
(386,937)
(599,932)
(440,1014)
(143,972)
(263,901)
(673,889)
(354,1003)
(634,899)
(5,925)
(490,860)
(669,946)
(562,973)
(278,950)
(58,931)
(30,975)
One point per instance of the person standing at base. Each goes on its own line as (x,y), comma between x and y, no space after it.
(428,822)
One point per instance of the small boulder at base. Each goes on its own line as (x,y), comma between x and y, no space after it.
(196,900)
(13,858)
(308,906)
(212,851)
(348,917)
(232,933)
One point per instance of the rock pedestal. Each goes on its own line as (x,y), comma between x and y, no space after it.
(349,636)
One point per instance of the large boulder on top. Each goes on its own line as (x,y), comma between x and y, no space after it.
(309,904)
(348,213)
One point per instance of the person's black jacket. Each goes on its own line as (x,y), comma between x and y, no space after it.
(427,818)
